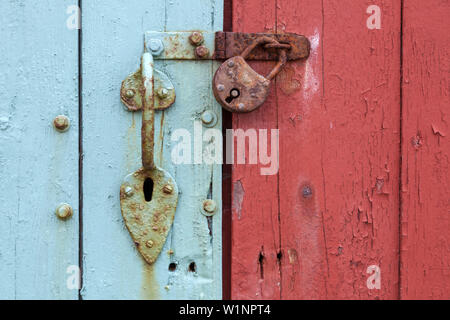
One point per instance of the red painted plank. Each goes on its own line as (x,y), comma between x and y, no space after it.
(425,243)
(334,207)
(255,229)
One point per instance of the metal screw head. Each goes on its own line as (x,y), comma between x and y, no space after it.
(202,52)
(156,46)
(129,93)
(163,93)
(167,189)
(220,87)
(149,244)
(64,211)
(241,106)
(128,191)
(231,64)
(209,118)
(61,123)
(196,38)
(209,207)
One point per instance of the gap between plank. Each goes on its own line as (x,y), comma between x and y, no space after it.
(80,151)
(400,182)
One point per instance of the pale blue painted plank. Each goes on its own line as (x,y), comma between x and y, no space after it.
(113,42)
(38,166)
(190,238)
(112,46)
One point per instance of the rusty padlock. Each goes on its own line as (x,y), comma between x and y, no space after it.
(239,88)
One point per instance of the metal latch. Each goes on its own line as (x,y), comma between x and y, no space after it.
(149,196)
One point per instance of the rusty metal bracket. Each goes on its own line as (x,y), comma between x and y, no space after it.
(131,92)
(201,45)
(231,44)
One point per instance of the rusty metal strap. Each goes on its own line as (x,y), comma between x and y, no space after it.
(223,45)
(230,44)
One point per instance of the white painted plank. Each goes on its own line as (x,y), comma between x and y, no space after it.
(38,166)
(112,45)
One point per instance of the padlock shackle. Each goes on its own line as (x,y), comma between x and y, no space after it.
(281,62)
(272,43)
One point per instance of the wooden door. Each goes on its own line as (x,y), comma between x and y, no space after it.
(425,188)
(189,266)
(362,155)
(38,165)
(355,206)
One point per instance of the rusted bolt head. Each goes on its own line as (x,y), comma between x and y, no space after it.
(163,93)
(156,47)
(128,191)
(202,52)
(307,192)
(167,189)
(231,64)
(220,87)
(149,244)
(64,211)
(196,38)
(209,207)
(129,93)
(209,118)
(61,123)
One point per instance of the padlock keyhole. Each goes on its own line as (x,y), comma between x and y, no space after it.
(234,93)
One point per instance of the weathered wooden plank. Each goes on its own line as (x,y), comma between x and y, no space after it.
(337,187)
(112,46)
(348,151)
(425,237)
(38,165)
(255,223)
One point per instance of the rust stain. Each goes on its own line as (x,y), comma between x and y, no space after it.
(238,196)
(150,287)
(287,81)
(161,140)
(293,256)
(132,145)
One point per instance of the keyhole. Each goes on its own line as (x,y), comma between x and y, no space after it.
(234,93)
(148,189)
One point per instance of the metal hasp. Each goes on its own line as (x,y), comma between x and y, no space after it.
(149,196)
(199,45)
(231,44)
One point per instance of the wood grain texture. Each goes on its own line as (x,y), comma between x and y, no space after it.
(112,47)
(255,272)
(333,210)
(38,165)
(425,242)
